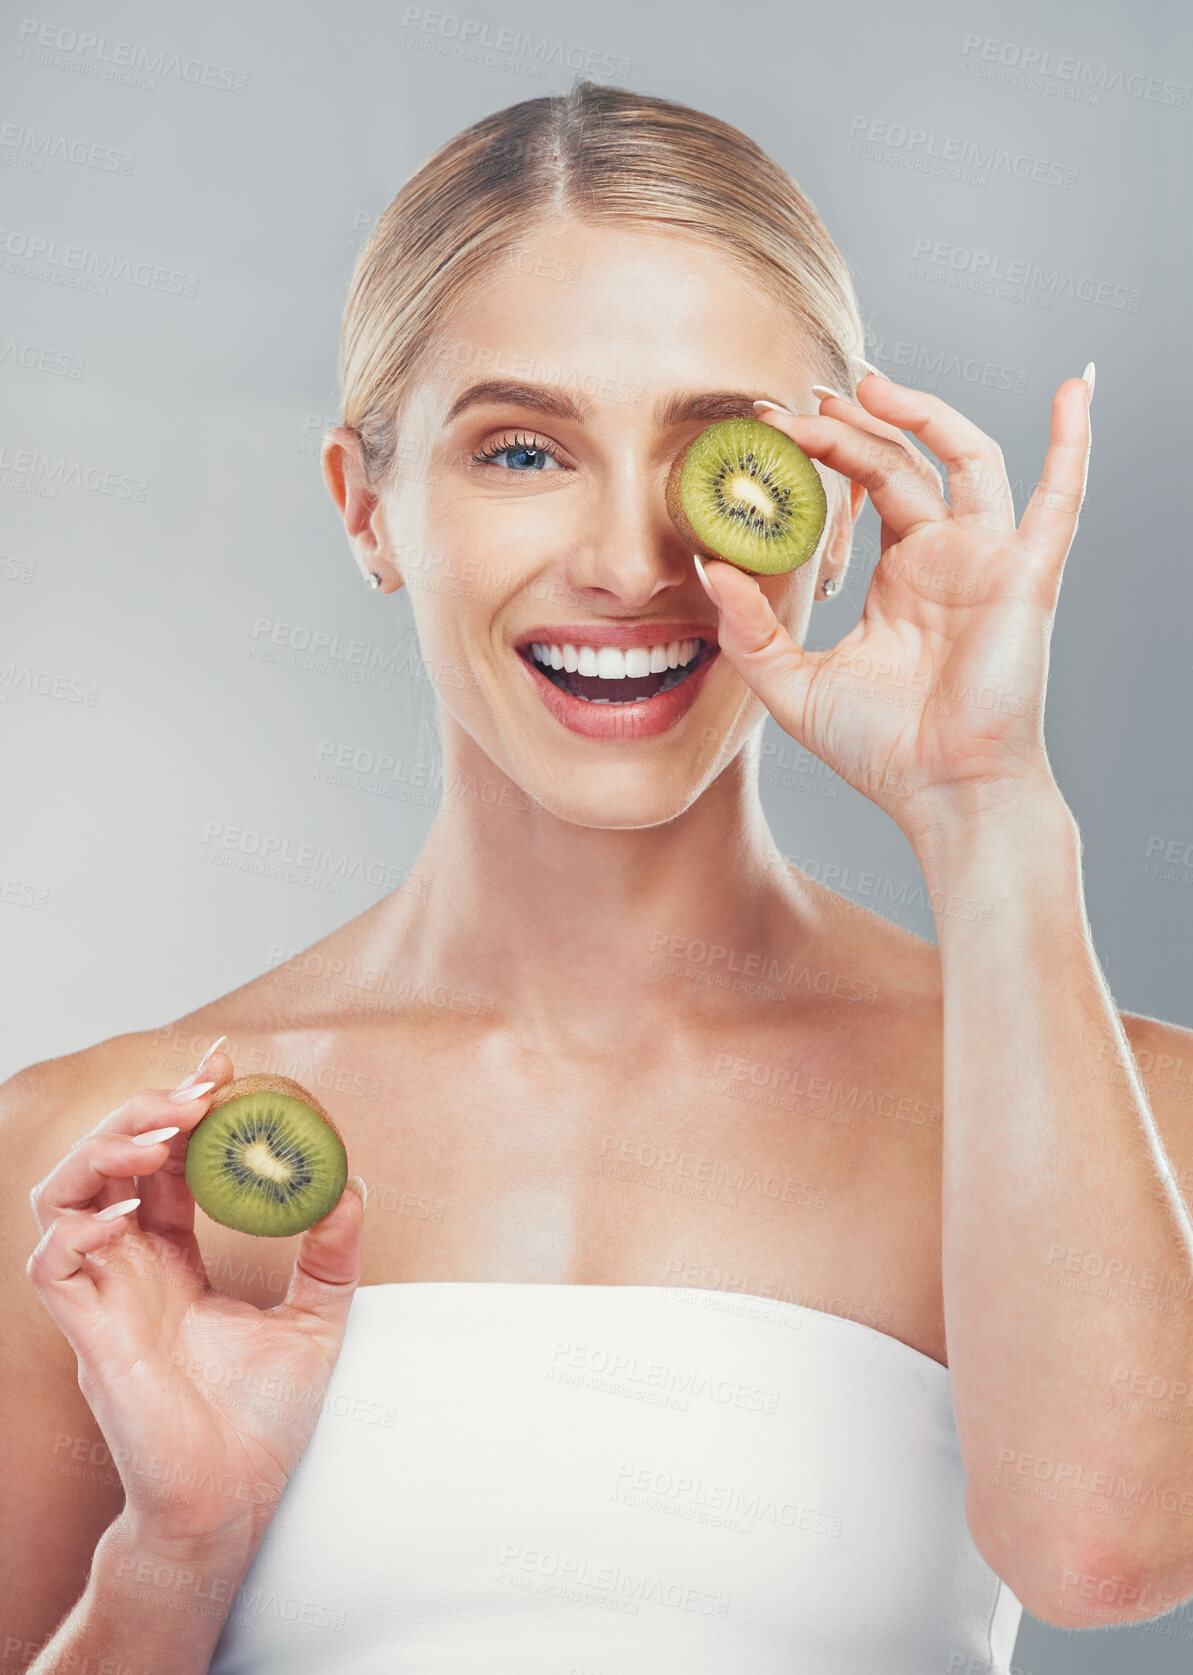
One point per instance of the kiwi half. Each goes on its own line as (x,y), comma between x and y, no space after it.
(267,1158)
(744,491)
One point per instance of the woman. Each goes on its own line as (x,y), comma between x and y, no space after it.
(529,1420)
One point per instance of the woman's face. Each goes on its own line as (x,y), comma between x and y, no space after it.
(528,509)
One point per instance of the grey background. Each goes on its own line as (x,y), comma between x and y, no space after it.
(141,596)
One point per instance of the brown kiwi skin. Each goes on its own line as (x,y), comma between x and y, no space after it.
(677,514)
(267,1082)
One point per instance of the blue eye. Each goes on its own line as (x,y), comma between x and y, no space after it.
(526,454)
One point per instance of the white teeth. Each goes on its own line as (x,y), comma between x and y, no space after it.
(614,663)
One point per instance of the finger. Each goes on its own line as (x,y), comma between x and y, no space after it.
(977,474)
(58,1269)
(772,664)
(904,496)
(166,1202)
(100,1168)
(327,1267)
(1050,520)
(840,407)
(106,1161)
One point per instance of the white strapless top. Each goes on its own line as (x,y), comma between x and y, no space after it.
(549,1479)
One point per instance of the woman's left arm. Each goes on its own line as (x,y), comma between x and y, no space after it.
(1067,1248)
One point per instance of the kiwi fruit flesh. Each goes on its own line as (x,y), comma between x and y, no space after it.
(267,1158)
(744,491)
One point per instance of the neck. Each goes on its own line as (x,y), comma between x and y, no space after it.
(575,932)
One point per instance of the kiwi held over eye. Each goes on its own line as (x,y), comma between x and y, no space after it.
(267,1158)
(744,491)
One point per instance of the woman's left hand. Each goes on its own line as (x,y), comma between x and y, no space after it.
(933,703)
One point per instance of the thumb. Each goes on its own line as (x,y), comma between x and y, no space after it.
(327,1265)
(772,664)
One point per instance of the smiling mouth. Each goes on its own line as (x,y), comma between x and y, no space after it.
(607,675)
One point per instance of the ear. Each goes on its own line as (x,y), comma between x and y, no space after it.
(361,508)
(845,515)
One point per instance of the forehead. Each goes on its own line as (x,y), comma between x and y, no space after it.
(621,307)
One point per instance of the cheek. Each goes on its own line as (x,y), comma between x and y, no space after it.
(507,541)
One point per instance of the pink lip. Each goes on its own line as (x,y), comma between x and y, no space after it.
(626,722)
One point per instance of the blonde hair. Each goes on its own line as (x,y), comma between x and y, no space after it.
(595,154)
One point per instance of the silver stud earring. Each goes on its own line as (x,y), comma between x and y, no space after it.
(830,584)
(374,578)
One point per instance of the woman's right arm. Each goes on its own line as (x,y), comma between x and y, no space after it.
(139,1493)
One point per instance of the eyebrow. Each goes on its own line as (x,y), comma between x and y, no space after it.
(677,409)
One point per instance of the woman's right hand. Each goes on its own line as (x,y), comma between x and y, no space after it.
(206,1402)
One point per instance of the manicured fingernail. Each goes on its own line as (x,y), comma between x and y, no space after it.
(822,390)
(704,581)
(775,407)
(181,1095)
(115,1210)
(358,1187)
(154,1137)
(878,372)
(1088,375)
(198,1070)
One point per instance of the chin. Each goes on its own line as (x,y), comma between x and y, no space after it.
(637,802)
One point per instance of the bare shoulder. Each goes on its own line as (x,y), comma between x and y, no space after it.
(42,1103)
(48,1105)
(44,1109)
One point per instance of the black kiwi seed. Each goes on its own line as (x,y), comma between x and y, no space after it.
(267,1158)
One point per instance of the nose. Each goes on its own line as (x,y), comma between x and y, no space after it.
(630,553)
